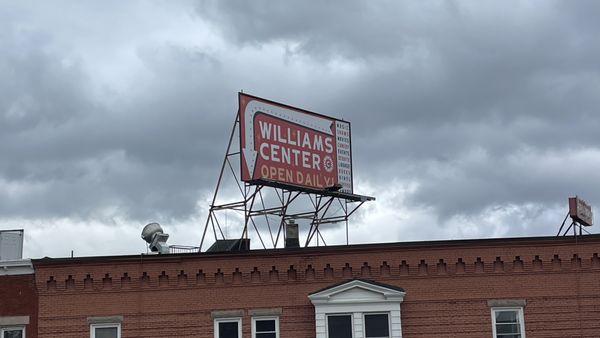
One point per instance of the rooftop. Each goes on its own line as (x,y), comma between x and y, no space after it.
(414,245)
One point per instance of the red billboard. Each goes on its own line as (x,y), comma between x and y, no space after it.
(580,211)
(288,145)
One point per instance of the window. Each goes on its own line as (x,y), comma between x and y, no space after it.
(508,323)
(12,332)
(377,325)
(105,331)
(339,326)
(228,328)
(265,327)
(358,308)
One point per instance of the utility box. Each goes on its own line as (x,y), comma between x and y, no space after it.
(292,238)
(11,245)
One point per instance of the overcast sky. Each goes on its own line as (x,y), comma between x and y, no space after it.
(469,119)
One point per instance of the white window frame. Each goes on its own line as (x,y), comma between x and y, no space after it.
(12,328)
(520,317)
(333,314)
(275,318)
(237,320)
(93,328)
(377,313)
(357,297)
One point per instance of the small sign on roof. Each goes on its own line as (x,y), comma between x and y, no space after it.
(580,211)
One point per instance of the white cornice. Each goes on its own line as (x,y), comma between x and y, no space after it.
(18,267)
(379,293)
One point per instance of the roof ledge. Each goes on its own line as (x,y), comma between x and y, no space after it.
(16,267)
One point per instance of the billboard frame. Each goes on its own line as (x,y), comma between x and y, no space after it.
(301,110)
(580,216)
(252,204)
(577,221)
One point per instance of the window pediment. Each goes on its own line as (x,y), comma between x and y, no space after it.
(358,291)
(358,308)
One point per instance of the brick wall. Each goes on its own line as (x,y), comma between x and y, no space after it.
(447,287)
(18,298)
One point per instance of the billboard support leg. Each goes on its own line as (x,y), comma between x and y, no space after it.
(346,221)
(562,225)
(225,160)
(569,229)
(262,202)
(316,220)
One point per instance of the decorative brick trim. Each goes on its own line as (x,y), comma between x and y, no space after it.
(507,302)
(227,314)
(14,320)
(105,320)
(286,269)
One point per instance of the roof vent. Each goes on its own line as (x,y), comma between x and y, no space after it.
(230,245)
(292,238)
(153,234)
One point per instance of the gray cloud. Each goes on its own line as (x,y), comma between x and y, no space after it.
(72,155)
(468,109)
(441,81)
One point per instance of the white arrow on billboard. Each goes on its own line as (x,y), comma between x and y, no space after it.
(253,107)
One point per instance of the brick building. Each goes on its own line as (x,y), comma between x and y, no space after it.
(18,294)
(519,287)
(18,299)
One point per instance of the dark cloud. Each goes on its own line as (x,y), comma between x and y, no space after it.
(68,154)
(465,110)
(440,83)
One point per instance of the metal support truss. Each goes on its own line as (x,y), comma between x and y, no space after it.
(266,206)
(574,225)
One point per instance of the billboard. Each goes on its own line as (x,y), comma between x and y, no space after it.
(580,211)
(11,245)
(292,146)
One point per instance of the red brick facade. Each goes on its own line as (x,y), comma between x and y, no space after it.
(448,285)
(18,297)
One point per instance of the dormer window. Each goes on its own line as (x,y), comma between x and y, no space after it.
(358,308)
